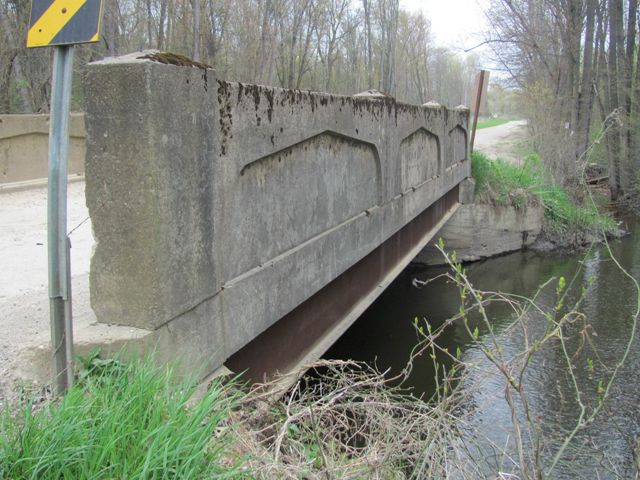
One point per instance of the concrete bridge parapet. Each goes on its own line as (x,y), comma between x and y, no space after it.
(219,207)
(24,143)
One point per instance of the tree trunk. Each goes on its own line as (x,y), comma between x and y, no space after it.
(26,103)
(149,24)
(161,22)
(196,30)
(585,96)
(6,66)
(634,158)
(626,153)
(613,136)
(262,48)
(110,30)
(367,21)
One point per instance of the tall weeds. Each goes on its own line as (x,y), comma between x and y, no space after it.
(125,421)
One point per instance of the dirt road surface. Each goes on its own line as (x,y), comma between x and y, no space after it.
(24,298)
(502,141)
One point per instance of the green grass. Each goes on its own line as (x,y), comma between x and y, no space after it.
(507,184)
(122,421)
(491,122)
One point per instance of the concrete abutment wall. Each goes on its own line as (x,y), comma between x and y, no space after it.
(24,147)
(219,207)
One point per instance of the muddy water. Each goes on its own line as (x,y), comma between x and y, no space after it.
(385,334)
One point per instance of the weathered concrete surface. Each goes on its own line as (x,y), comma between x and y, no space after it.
(24,146)
(305,333)
(479,231)
(220,207)
(467,191)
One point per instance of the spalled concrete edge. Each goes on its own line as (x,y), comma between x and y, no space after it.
(187,343)
(34,364)
(149,189)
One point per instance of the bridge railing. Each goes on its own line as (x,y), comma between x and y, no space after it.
(218,207)
(24,143)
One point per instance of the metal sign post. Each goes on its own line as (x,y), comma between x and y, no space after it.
(57,240)
(61,23)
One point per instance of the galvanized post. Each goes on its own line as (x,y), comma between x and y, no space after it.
(57,240)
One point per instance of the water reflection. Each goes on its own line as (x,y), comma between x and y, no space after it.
(603,449)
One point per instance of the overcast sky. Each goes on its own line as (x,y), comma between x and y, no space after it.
(456,24)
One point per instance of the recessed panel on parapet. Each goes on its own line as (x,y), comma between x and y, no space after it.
(458,146)
(420,157)
(296,193)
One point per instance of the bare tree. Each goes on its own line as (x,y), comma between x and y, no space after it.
(343,46)
(196,30)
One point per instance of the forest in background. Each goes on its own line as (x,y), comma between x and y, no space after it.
(337,46)
(573,63)
(576,64)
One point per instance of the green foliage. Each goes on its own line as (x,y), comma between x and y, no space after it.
(121,421)
(92,366)
(563,214)
(491,122)
(504,183)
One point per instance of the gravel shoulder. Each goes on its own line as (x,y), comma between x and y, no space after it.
(24,300)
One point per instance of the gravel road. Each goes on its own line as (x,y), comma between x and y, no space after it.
(502,141)
(24,299)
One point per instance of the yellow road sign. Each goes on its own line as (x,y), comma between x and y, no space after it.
(63,22)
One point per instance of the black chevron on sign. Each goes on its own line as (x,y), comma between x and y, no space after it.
(37,9)
(82,27)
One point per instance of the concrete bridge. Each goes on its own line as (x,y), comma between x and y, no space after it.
(248,225)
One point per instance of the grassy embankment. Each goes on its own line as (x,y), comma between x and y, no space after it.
(491,122)
(566,215)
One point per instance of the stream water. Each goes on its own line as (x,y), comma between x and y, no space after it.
(603,448)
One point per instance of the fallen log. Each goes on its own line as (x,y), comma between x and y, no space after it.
(597,180)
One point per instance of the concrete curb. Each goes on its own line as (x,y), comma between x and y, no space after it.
(36,183)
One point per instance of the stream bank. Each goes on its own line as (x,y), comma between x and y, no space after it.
(510,206)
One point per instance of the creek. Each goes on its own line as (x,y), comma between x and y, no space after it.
(386,334)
